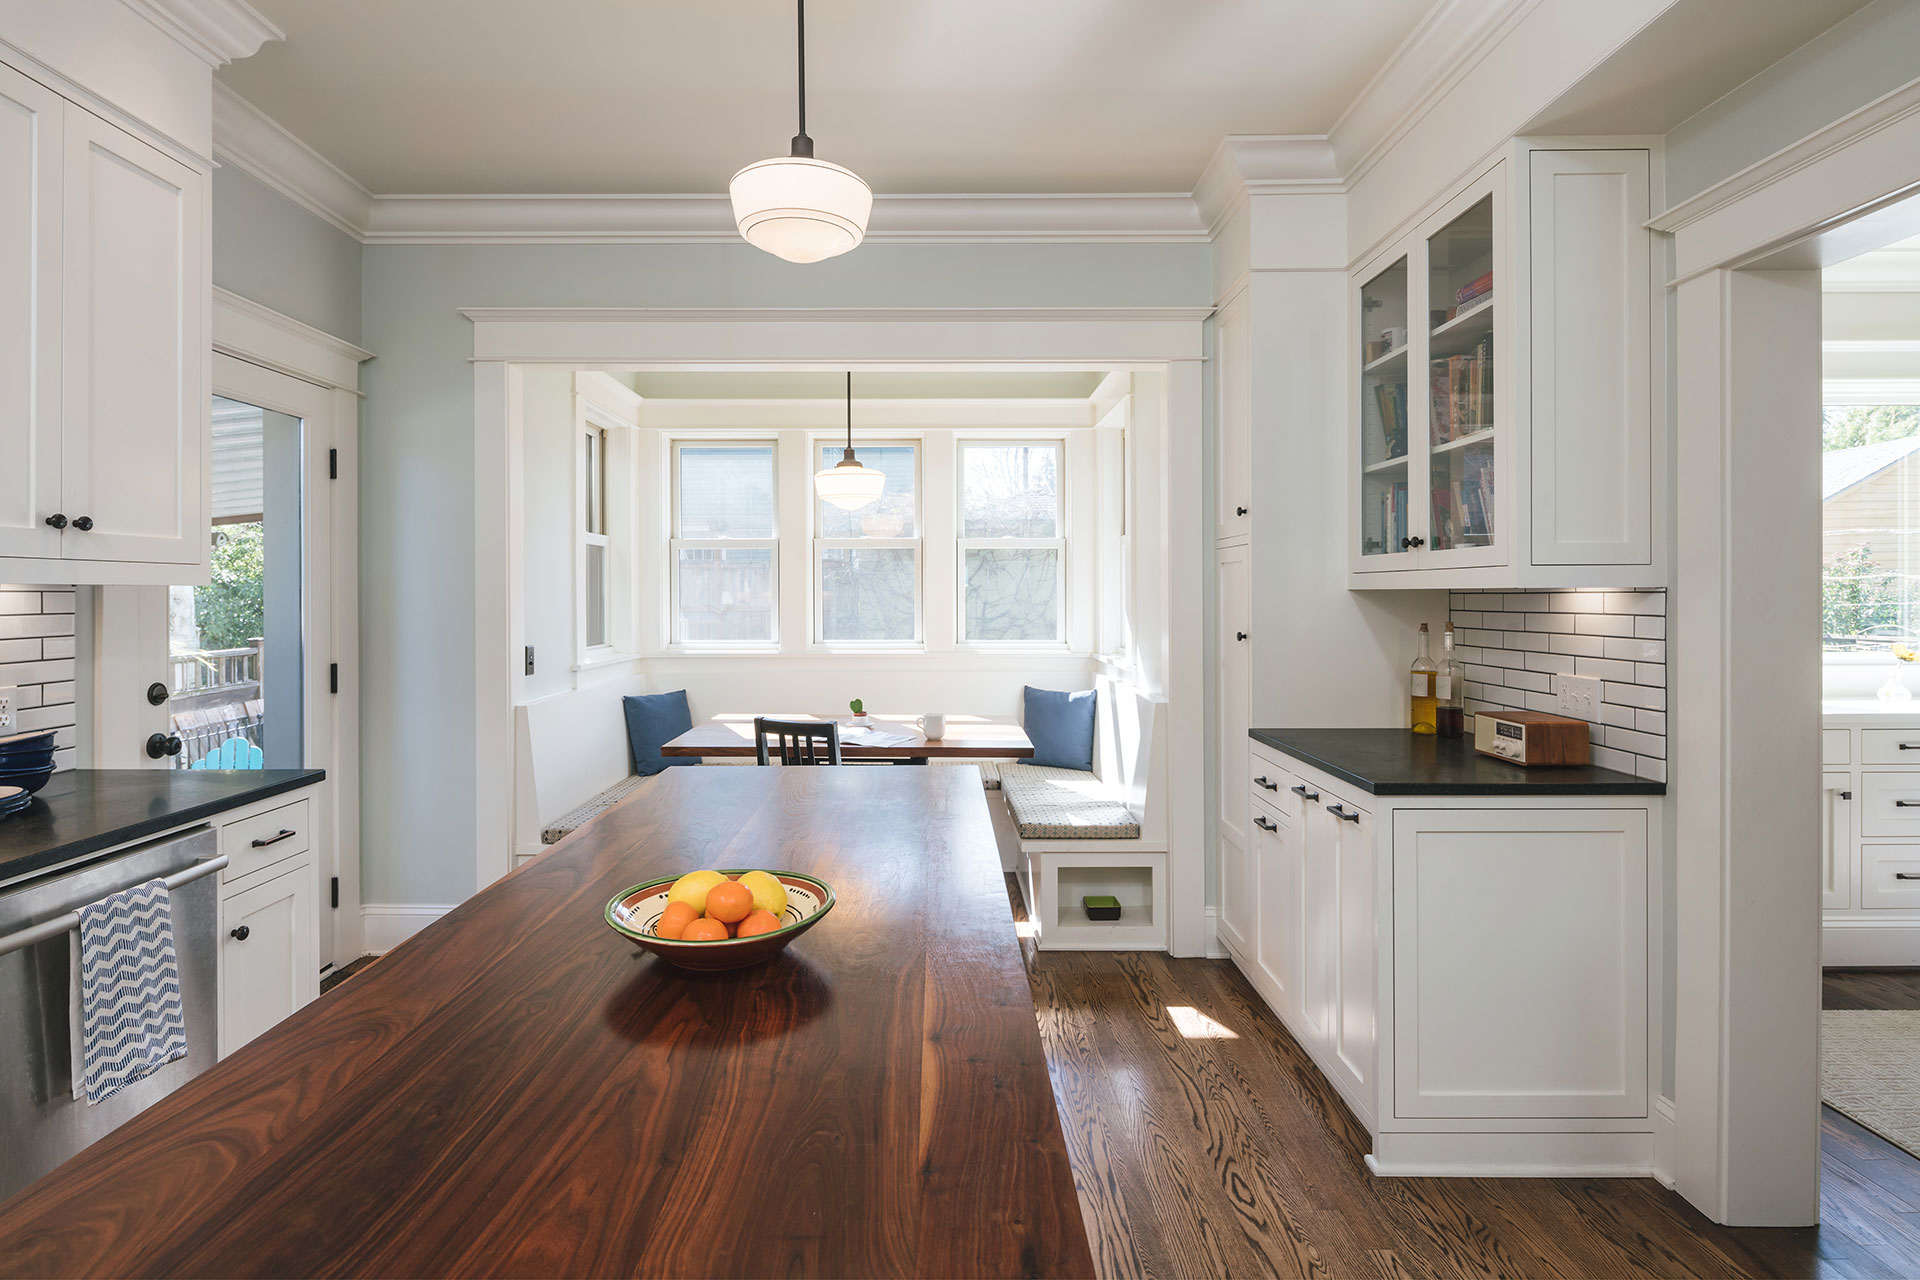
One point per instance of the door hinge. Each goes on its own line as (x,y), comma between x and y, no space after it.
(333,464)
(336,893)
(333,678)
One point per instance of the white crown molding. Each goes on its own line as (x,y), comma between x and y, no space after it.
(262,336)
(247,138)
(828,315)
(215,31)
(958,413)
(1247,164)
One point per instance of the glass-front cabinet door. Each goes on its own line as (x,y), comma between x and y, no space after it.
(1466,312)
(1390,522)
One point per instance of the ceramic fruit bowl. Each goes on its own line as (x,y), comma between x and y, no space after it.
(634,913)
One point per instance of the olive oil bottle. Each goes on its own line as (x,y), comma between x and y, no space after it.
(1424,713)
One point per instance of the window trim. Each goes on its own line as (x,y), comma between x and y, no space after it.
(676,623)
(963,544)
(619,536)
(816,445)
(593,439)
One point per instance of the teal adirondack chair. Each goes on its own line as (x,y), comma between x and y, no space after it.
(234,753)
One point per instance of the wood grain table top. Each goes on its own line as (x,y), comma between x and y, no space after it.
(519,1091)
(965,738)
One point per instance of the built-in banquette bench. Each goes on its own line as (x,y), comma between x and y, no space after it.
(1098,833)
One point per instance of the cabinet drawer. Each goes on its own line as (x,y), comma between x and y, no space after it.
(1836,746)
(264,839)
(1270,786)
(1886,746)
(1882,867)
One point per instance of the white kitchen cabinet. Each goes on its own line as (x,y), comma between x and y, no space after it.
(1233,394)
(1232,652)
(1836,841)
(270,959)
(1471,974)
(103,248)
(1504,429)
(1869,836)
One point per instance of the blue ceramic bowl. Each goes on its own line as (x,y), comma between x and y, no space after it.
(26,761)
(30,780)
(39,740)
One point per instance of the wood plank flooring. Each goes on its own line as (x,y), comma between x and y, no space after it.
(1233,1156)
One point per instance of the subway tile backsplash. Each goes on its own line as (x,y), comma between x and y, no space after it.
(36,658)
(1512,644)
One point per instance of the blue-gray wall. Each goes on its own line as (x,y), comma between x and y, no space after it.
(416,462)
(1870,54)
(269,250)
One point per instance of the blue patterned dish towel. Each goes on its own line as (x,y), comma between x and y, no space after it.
(129,1020)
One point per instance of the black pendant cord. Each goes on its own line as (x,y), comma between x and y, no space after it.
(848,456)
(802,144)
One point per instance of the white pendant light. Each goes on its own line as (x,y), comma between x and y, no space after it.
(846,484)
(796,207)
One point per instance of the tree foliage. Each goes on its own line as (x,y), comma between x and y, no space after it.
(1868,424)
(1856,594)
(231,608)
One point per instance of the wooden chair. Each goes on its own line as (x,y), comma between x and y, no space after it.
(801,741)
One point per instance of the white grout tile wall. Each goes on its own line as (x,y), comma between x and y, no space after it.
(37,659)
(1513,643)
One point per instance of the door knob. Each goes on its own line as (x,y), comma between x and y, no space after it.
(163,744)
(83,523)
(56,521)
(241,934)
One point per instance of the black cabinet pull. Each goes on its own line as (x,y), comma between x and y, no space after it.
(1846,795)
(1301,791)
(1263,824)
(264,842)
(1262,782)
(241,934)
(83,523)
(1906,804)
(1905,746)
(58,521)
(1408,544)
(1239,511)
(1906,875)
(1239,635)
(1345,815)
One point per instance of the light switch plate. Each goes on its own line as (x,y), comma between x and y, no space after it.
(8,724)
(1577,696)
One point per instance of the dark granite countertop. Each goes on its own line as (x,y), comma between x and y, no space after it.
(84,810)
(1395,762)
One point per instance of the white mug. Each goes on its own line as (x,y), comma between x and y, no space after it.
(933,727)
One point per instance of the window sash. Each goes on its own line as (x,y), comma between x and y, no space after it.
(961,449)
(823,545)
(679,633)
(772,449)
(1056,545)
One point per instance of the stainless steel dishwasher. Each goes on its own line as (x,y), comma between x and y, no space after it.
(41,1124)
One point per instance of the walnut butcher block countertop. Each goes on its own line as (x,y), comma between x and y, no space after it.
(518,1091)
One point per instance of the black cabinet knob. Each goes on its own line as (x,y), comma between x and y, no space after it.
(162,744)
(1408,544)
(83,523)
(241,934)
(1239,511)
(56,521)
(1239,635)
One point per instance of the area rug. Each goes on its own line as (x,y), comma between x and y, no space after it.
(1870,1070)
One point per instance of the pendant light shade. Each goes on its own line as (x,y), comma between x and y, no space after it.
(794,206)
(799,208)
(846,484)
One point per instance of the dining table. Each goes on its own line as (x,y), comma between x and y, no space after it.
(966,737)
(518,1090)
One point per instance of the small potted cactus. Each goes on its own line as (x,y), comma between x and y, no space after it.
(860,717)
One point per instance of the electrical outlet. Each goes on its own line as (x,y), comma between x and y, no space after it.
(7,723)
(1578,696)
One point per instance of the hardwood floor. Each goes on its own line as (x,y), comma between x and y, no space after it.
(1233,1156)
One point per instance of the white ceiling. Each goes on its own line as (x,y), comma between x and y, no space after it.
(918,96)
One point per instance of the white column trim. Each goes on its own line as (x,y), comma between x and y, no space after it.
(248,331)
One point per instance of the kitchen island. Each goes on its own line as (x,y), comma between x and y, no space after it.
(517,1090)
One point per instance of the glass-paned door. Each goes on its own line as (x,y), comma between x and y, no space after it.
(1388,527)
(1462,303)
(236,646)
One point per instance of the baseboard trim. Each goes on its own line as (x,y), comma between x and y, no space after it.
(387,925)
(1215,949)
(1663,1140)
(1512,1155)
(1851,943)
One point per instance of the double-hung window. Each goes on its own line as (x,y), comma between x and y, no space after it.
(867,561)
(595,545)
(725,544)
(1011,546)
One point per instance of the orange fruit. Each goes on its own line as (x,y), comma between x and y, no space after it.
(705,931)
(674,920)
(757,923)
(729,902)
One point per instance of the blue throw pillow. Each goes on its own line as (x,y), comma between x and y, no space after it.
(653,720)
(1061,727)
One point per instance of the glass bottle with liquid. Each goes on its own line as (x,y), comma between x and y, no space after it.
(1449,691)
(1423,716)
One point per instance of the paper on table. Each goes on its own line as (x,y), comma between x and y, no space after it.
(874,738)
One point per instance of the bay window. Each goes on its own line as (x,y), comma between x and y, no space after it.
(725,544)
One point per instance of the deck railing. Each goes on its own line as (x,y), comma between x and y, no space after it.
(209,670)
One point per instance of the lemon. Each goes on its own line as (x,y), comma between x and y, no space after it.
(768,893)
(692,888)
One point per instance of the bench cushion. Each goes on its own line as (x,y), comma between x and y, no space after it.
(989,770)
(568,823)
(1064,804)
